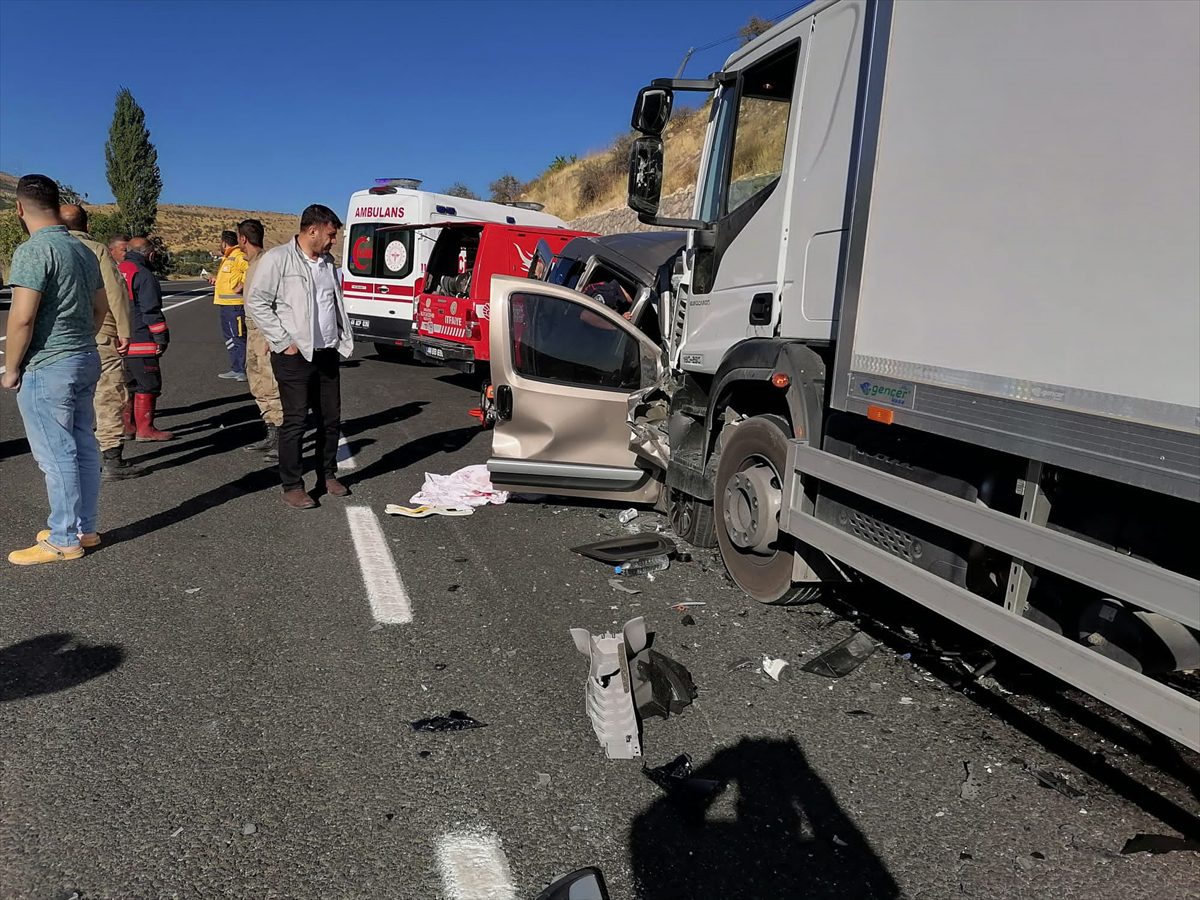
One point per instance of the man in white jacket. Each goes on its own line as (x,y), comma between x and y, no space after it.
(296,302)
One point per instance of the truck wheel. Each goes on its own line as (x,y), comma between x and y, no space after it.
(692,519)
(749,494)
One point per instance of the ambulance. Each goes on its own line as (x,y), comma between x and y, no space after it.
(380,277)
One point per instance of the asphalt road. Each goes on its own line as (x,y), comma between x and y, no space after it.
(207,707)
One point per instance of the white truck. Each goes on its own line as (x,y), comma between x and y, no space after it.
(380,283)
(937,323)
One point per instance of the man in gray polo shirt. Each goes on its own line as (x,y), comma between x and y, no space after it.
(58,305)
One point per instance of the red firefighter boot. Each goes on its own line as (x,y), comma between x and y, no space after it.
(143,414)
(127,420)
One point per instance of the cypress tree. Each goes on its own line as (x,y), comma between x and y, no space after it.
(131,164)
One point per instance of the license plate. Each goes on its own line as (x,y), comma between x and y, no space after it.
(436,352)
(359,323)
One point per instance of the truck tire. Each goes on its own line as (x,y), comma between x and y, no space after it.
(748,495)
(692,519)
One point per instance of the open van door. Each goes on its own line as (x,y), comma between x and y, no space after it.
(563,367)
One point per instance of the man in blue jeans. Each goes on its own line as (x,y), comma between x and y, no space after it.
(58,305)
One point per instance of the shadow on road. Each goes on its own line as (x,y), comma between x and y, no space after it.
(15,447)
(384,417)
(200,405)
(222,433)
(51,663)
(250,483)
(788,838)
(414,451)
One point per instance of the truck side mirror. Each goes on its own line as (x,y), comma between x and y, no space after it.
(646,175)
(652,110)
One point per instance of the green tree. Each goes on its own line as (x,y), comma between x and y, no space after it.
(11,235)
(753,28)
(103,226)
(458,189)
(561,162)
(505,189)
(132,166)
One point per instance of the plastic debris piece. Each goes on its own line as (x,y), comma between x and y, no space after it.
(627,516)
(842,658)
(841,843)
(177,832)
(249,828)
(1054,781)
(1159,843)
(774,667)
(738,664)
(608,695)
(615,551)
(543,779)
(688,620)
(684,604)
(644,566)
(664,686)
(969,789)
(192,590)
(456,721)
(675,778)
(618,585)
(1037,854)
(907,701)
(858,712)
(424,512)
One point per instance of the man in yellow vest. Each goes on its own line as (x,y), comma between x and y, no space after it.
(229,284)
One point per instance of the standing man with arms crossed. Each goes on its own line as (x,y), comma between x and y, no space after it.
(58,305)
(228,285)
(258,355)
(296,301)
(148,339)
(112,397)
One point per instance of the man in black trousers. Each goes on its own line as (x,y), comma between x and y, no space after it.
(296,302)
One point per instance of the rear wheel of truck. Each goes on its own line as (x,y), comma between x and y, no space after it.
(749,494)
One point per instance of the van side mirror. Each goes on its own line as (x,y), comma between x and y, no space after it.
(585,884)
(646,175)
(652,110)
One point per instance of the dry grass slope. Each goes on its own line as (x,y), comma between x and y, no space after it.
(200,227)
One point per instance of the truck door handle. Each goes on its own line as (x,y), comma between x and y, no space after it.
(760,309)
(504,402)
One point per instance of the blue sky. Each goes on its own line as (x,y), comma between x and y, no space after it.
(274,105)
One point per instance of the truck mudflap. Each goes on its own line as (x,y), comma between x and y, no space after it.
(1116,575)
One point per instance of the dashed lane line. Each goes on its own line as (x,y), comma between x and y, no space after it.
(473,867)
(345,457)
(385,591)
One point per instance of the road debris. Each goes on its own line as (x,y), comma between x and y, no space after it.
(177,832)
(249,828)
(615,551)
(676,779)
(665,686)
(469,486)
(688,620)
(842,658)
(192,590)
(424,512)
(969,790)
(608,695)
(739,664)
(627,516)
(543,779)
(643,566)
(1060,783)
(1159,843)
(774,667)
(618,585)
(907,701)
(456,721)
(682,605)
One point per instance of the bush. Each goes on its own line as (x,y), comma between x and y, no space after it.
(561,162)
(617,160)
(506,189)
(592,182)
(458,189)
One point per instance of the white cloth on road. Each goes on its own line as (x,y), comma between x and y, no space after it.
(469,486)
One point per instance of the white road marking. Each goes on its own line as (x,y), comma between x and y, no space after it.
(385,591)
(345,457)
(183,302)
(473,867)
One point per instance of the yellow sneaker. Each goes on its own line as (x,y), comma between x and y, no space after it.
(43,552)
(88,541)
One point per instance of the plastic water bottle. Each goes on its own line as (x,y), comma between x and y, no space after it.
(642,566)
(627,516)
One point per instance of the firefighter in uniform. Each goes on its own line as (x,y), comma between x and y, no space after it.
(111,341)
(148,339)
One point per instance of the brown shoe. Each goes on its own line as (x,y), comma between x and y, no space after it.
(297,498)
(335,488)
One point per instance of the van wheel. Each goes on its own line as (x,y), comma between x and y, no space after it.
(692,519)
(749,494)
